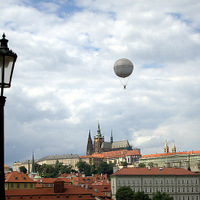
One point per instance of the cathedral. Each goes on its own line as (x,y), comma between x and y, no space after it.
(99,145)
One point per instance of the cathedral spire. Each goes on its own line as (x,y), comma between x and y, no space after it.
(33,164)
(89,145)
(111,137)
(98,135)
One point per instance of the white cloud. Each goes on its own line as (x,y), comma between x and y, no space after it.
(64,81)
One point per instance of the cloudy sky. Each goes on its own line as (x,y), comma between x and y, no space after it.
(64,82)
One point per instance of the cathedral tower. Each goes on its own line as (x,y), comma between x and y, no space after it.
(166,148)
(98,140)
(173,148)
(90,149)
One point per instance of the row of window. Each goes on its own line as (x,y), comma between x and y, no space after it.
(172,181)
(160,181)
(167,190)
(188,197)
(18,185)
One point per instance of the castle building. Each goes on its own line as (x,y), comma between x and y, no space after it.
(100,145)
(66,159)
(186,159)
(115,157)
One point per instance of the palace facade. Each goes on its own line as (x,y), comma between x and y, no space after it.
(187,159)
(179,183)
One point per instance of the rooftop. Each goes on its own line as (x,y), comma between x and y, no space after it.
(18,177)
(168,154)
(114,154)
(70,192)
(153,171)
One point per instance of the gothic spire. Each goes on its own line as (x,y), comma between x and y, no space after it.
(98,135)
(111,137)
(33,164)
(89,145)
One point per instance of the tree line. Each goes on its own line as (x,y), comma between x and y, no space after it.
(54,171)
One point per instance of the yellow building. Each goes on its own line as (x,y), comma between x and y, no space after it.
(18,180)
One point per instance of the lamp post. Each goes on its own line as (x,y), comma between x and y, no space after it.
(7,63)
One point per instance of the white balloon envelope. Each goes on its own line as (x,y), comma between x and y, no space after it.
(123,67)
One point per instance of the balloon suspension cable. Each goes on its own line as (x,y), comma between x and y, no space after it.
(124,84)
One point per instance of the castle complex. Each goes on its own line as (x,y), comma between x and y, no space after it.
(99,150)
(100,145)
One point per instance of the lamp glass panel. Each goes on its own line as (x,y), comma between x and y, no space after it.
(7,70)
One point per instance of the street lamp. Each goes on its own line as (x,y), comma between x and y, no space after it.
(7,63)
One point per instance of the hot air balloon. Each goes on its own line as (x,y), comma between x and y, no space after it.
(123,68)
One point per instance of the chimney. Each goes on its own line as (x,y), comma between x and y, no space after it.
(58,186)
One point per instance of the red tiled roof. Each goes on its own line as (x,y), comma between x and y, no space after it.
(153,171)
(73,174)
(94,180)
(167,154)
(43,181)
(100,182)
(19,177)
(46,180)
(114,154)
(70,192)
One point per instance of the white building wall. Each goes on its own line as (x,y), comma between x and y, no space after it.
(179,187)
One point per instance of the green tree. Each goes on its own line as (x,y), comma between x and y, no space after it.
(151,164)
(124,193)
(105,168)
(124,164)
(66,169)
(93,169)
(23,169)
(140,196)
(10,169)
(141,165)
(50,171)
(161,196)
(83,167)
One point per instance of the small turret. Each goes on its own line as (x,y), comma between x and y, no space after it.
(173,148)
(166,148)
